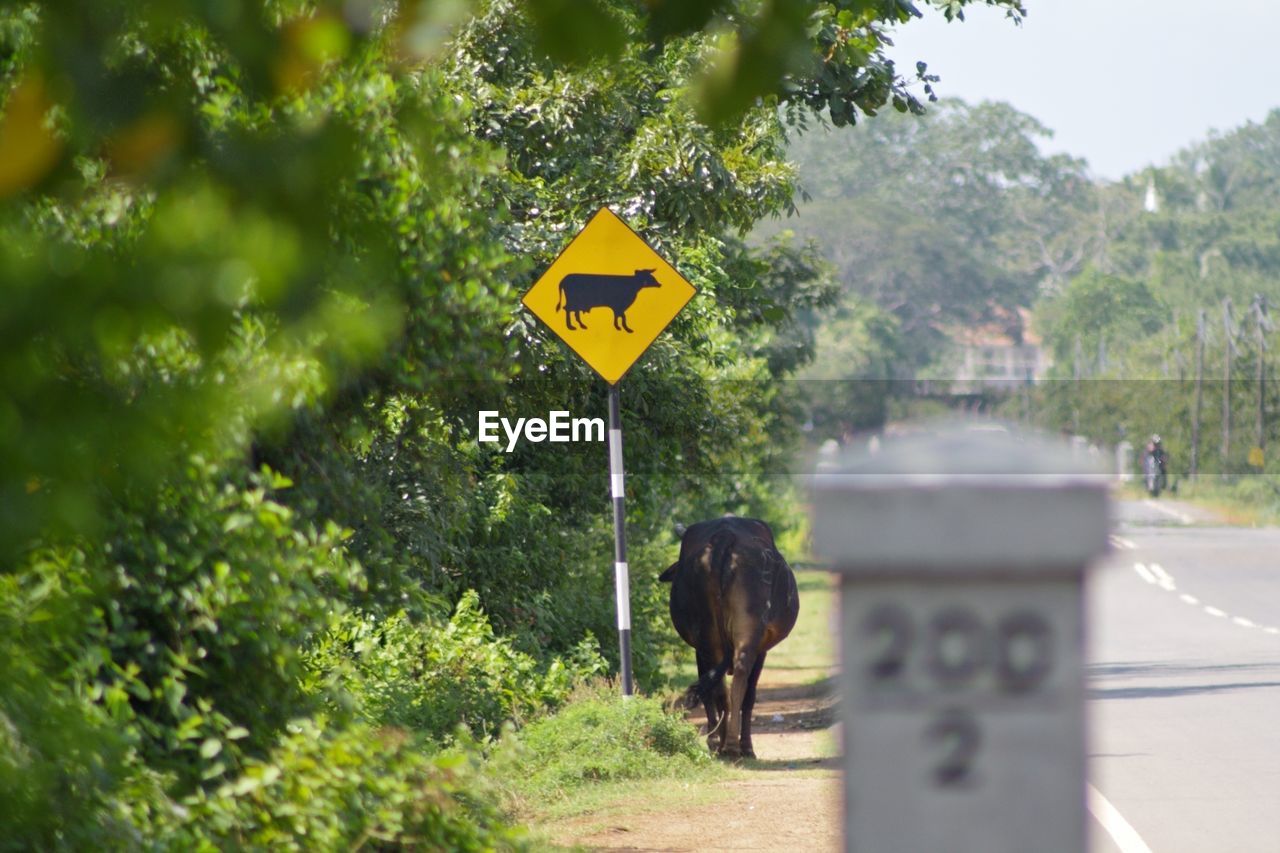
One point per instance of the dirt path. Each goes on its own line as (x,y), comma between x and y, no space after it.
(787,799)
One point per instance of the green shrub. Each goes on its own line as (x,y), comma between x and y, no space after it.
(68,757)
(600,738)
(339,789)
(204,600)
(1262,492)
(177,637)
(432,676)
(583,601)
(59,761)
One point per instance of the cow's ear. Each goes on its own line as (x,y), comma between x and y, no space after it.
(669,575)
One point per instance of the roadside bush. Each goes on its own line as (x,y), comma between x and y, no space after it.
(582,600)
(176,637)
(340,789)
(1262,492)
(59,758)
(204,600)
(432,676)
(599,738)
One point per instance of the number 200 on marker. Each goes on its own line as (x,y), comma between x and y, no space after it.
(954,647)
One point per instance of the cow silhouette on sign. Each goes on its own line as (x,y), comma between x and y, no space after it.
(583,291)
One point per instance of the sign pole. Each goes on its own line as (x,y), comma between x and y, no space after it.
(620,572)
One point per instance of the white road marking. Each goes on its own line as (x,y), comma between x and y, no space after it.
(1169,511)
(1163,578)
(1122,543)
(1154,574)
(1121,832)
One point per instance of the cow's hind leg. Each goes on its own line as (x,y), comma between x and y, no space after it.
(748,706)
(744,663)
(711,693)
(578,316)
(720,697)
(568,319)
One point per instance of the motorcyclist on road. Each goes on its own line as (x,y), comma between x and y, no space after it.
(1156,453)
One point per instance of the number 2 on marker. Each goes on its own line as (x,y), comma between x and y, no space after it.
(957,735)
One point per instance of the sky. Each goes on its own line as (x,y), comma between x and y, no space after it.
(1124,84)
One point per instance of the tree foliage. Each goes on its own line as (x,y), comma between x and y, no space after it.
(945,220)
(1096,309)
(1188,268)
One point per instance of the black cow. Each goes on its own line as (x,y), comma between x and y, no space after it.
(583,291)
(733,597)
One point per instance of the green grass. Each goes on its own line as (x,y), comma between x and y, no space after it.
(597,749)
(809,653)
(1249,501)
(594,809)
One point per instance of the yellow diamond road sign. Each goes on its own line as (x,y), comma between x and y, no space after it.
(609,295)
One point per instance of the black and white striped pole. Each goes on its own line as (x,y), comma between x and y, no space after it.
(621,574)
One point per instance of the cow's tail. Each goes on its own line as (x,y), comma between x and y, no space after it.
(722,558)
(560,298)
(699,693)
(695,695)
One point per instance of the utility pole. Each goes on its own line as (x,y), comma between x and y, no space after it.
(1228,351)
(1178,359)
(1260,325)
(1195,412)
(1075,387)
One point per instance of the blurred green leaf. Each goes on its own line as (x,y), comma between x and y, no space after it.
(578,31)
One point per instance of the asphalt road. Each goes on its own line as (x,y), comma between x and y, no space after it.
(1184,686)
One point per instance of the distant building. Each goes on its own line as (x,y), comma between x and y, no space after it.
(1002,352)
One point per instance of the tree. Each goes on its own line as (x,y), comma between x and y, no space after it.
(946,219)
(1098,310)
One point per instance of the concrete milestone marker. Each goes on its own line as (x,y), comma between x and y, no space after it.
(961,558)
